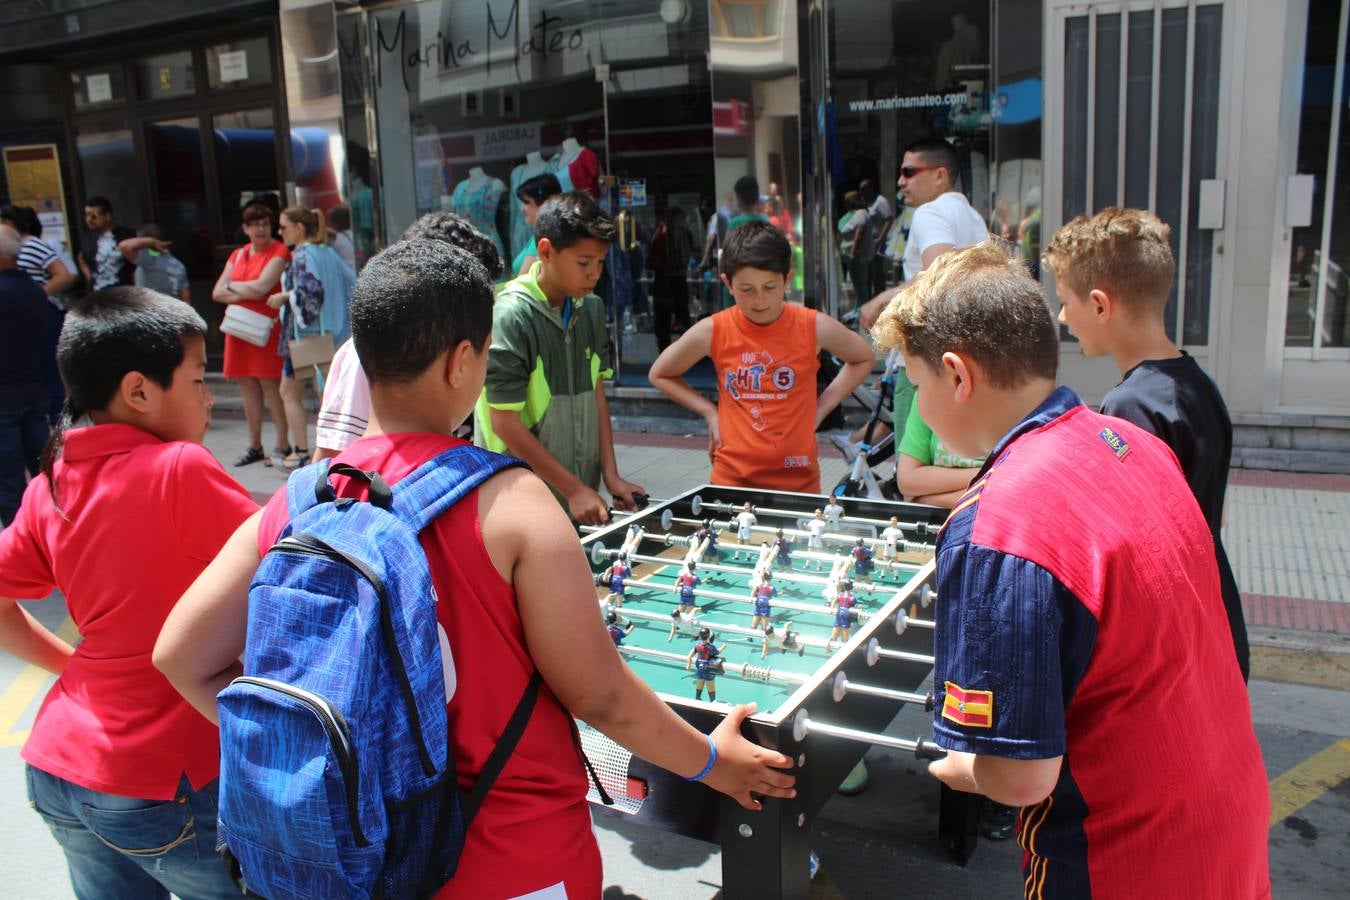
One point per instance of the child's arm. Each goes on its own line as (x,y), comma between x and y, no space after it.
(534,546)
(132,246)
(621,490)
(199,646)
(667,376)
(1014,782)
(933,484)
(583,504)
(29,640)
(856,353)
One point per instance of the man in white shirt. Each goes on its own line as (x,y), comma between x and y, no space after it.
(879,218)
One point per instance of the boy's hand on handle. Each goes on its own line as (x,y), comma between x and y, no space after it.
(625,493)
(744,769)
(587,507)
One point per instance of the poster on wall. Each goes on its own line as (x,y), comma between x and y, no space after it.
(33,172)
(633,192)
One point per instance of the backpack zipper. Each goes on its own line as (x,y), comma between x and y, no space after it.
(339,736)
(309,545)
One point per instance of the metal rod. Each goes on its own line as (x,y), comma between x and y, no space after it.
(922,748)
(904,656)
(805,554)
(731,509)
(720,627)
(868,690)
(721,595)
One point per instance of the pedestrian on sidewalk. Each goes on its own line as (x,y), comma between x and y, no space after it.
(23,398)
(318,291)
(125,515)
(251,275)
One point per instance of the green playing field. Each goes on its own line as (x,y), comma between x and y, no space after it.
(724,605)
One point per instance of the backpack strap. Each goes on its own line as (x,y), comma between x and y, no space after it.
(300,487)
(441,482)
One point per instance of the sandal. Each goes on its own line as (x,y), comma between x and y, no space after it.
(277,459)
(249,456)
(297,458)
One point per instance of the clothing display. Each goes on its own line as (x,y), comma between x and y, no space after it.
(582,167)
(477,198)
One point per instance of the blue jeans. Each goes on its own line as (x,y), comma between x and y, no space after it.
(23,431)
(120,848)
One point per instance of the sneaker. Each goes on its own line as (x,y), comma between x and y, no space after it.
(855,782)
(813,866)
(997,822)
(846,446)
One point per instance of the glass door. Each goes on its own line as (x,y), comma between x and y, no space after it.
(178,199)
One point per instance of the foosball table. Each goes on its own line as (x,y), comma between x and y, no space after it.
(825,682)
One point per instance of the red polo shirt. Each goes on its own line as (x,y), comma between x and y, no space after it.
(142,519)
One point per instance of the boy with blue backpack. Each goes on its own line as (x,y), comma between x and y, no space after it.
(492,624)
(125,515)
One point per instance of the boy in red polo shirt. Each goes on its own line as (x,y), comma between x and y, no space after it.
(1085,672)
(126,514)
(515,595)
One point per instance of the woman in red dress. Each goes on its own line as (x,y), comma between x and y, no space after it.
(252,274)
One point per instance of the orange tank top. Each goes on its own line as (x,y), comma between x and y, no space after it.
(766,382)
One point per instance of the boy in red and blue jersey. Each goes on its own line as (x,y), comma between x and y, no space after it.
(1084,671)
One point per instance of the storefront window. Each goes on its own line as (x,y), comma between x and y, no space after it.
(165,76)
(107,155)
(471,100)
(899,73)
(95,88)
(239,64)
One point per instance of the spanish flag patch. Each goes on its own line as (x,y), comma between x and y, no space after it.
(974,709)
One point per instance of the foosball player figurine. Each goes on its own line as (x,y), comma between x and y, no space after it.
(763,594)
(617,632)
(684,621)
(703,658)
(745,520)
(834,512)
(894,540)
(844,605)
(687,581)
(815,540)
(782,639)
(783,547)
(708,533)
(617,573)
(862,561)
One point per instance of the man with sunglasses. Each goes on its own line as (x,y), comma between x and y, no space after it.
(101,263)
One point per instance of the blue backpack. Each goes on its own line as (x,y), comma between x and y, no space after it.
(337,779)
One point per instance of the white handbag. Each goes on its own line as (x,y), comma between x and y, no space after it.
(247,325)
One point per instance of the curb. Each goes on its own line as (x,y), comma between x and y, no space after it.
(1309,658)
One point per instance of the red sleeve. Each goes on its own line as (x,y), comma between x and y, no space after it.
(281,251)
(208,505)
(274,518)
(25,566)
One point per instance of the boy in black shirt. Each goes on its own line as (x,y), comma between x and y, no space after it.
(1113,272)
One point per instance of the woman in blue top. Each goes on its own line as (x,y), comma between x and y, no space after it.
(317,289)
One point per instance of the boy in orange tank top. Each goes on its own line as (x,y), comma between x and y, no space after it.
(761,431)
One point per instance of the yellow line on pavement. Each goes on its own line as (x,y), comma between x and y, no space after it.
(24,689)
(1309,780)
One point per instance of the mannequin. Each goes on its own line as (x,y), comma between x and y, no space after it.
(581,165)
(519,229)
(478,198)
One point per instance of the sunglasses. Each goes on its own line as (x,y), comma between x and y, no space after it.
(911,171)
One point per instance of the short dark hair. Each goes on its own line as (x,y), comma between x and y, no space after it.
(340,218)
(256,211)
(980,301)
(25,219)
(457,232)
(746,190)
(571,217)
(108,334)
(756,245)
(101,202)
(937,152)
(150,230)
(539,188)
(415,301)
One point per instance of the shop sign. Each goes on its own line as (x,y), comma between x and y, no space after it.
(506,142)
(99,87)
(34,176)
(504,37)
